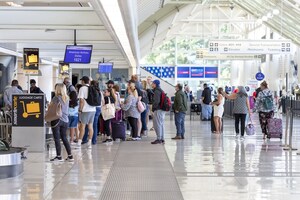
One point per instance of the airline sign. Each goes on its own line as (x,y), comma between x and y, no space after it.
(250,46)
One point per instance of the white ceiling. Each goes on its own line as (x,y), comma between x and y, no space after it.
(49,25)
(228,19)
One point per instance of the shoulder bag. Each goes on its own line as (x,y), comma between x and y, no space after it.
(108,111)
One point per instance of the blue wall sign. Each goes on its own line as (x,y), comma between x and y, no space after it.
(183,72)
(259,76)
(211,72)
(197,72)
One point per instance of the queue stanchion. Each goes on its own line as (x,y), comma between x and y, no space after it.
(290,146)
(285,145)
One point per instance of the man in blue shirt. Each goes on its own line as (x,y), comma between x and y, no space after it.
(9,92)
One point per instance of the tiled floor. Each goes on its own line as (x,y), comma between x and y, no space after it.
(203,166)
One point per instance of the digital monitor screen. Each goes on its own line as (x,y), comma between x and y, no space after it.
(105,67)
(78,54)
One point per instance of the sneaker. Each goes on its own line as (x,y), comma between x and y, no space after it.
(156,142)
(130,139)
(163,141)
(70,158)
(138,138)
(152,129)
(89,145)
(176,138)
(57,158)
(78,145)
(73,143)
(107,141)
(237,135)
(242,138)
(182,137)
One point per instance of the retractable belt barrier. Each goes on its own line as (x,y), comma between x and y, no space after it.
(289,129)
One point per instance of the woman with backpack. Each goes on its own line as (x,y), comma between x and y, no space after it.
(73,117)
(264,105)
(240,109)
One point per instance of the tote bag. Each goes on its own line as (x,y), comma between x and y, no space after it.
(108,111)
(141,106)
(54,112)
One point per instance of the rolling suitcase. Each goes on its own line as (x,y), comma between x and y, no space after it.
(118,130)
(274,128)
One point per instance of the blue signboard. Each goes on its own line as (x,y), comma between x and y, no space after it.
(78,54)
(197,72)
(167,72)
(259,76)
(105,67)
(183,72)
(211,72)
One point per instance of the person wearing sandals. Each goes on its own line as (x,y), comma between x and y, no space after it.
(240,109)
(219,110)
(131,111)
(60,126)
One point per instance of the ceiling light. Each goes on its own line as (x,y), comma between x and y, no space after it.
(269,15)
(276,12)
(10,3)
(264,18)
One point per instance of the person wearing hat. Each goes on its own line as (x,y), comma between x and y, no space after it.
(33,88)
(110,84)
(86,112)
(265,107)
(159,114)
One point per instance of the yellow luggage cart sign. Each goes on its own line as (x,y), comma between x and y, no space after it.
(31,60)
(28,110)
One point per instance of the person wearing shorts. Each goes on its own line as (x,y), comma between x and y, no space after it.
(86,112)
(73,117)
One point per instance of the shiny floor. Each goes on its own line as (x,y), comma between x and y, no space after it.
(203,166)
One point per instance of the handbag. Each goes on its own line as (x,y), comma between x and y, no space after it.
(54,112)
(141,106)
(108,111)
(250,130)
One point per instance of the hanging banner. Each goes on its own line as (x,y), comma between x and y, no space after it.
(250,46)
(206,55)
(31,60)
(211,72)
(28,110)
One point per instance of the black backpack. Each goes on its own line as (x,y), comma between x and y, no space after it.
(150,95)
(94,98)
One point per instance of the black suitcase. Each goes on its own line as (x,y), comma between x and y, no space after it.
(118,130)
(212,123)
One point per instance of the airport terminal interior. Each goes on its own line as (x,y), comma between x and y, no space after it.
(185,99)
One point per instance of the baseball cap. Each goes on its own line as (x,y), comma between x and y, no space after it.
(110,82)
(156,82)
(85,79)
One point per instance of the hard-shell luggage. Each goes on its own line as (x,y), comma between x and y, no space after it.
(274,128)
(118,130)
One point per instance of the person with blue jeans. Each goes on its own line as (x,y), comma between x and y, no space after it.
(206,107)
(180,108)
(96,119)
(159,114)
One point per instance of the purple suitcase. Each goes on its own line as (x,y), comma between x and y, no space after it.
(274,127)
(118,130)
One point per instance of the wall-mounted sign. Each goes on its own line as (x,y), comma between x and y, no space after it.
(31,60)
(250,46)
(167,72)
(64,68)
(154,70)
(197,72)
(28,110)
(211,72)
(206,55)
(260,76)
(183,72)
